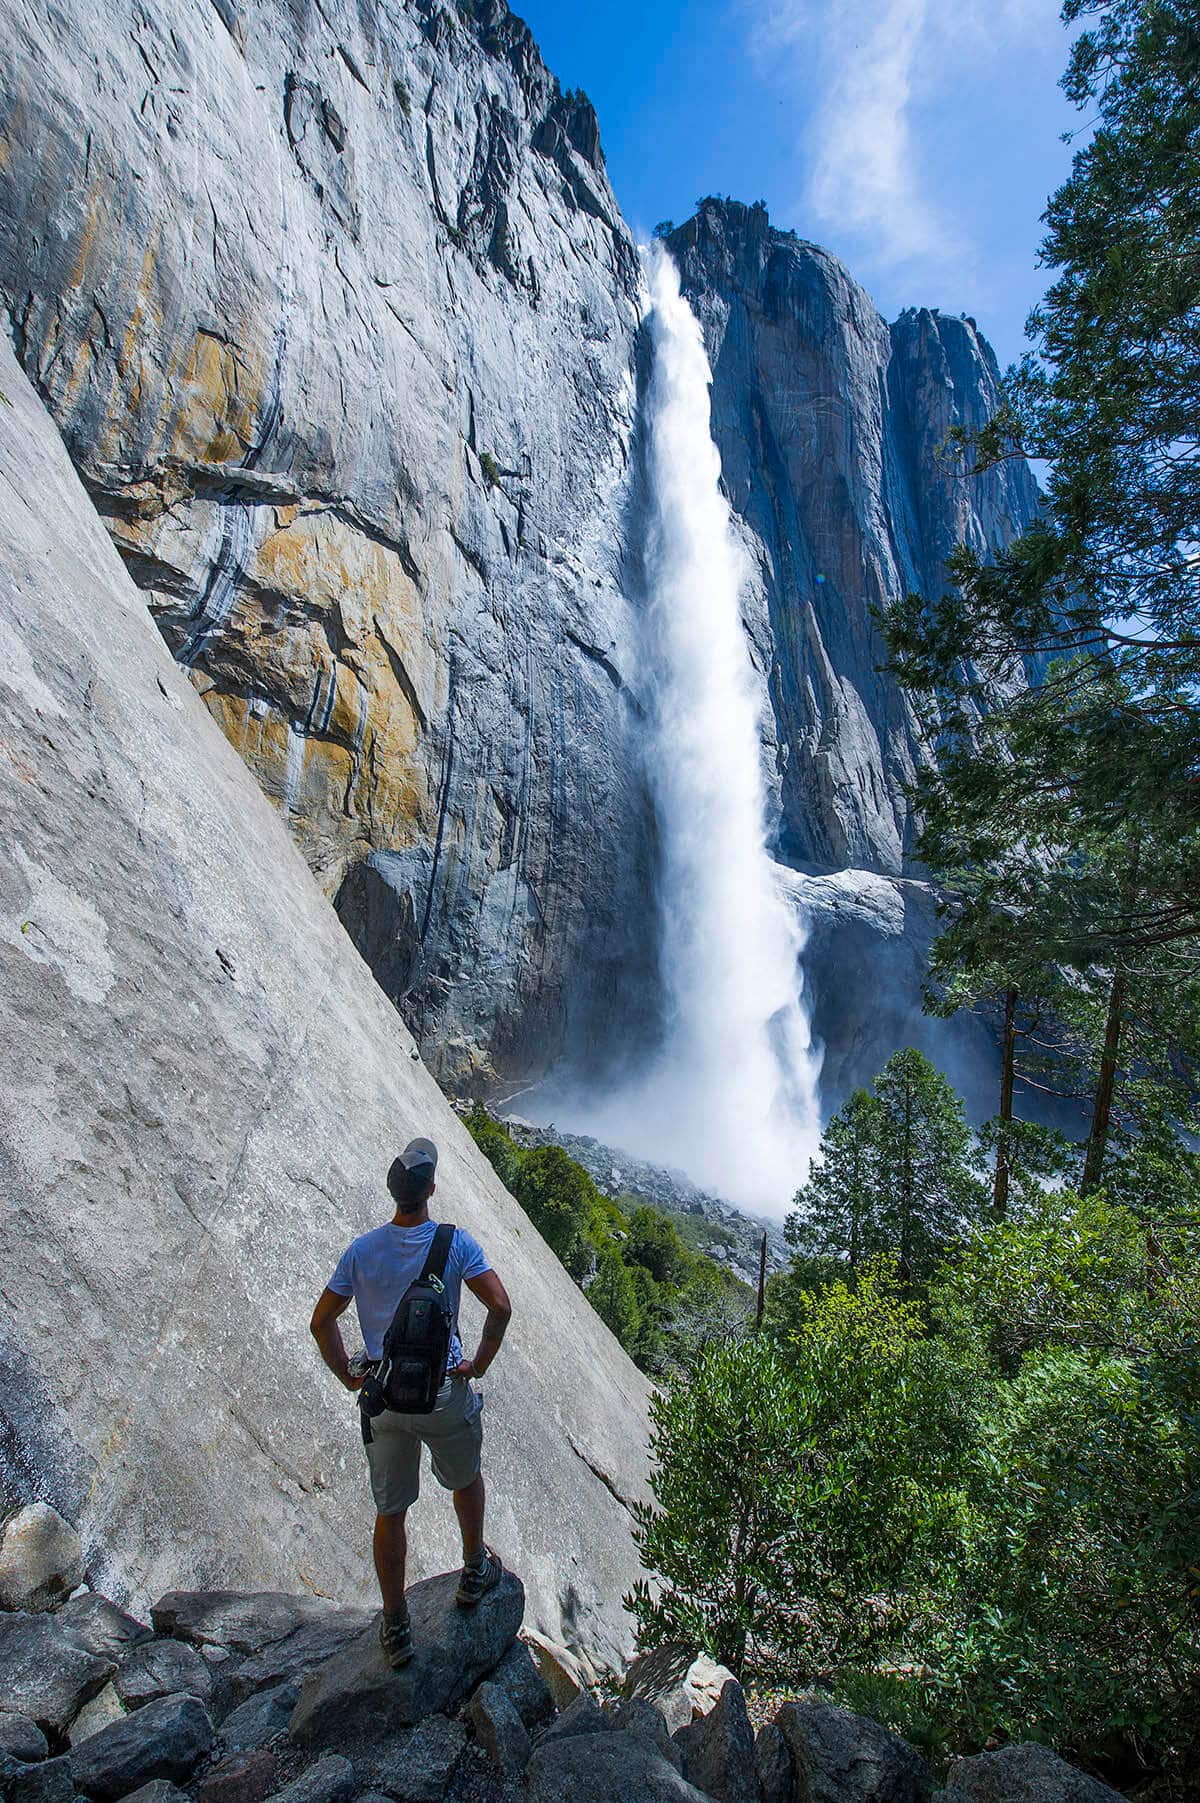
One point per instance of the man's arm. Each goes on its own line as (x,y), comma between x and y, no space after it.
(328,1335)
(492,1293)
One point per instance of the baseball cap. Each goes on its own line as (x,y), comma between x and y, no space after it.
(419,1152)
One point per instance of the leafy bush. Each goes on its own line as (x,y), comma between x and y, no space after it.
(981,1512)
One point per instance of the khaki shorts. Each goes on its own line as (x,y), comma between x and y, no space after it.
(453,1433)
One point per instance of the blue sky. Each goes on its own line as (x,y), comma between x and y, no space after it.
(919,139)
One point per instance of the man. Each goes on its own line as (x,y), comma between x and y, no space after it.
(376,1270)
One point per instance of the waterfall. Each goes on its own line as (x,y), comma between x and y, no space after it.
(731,1096)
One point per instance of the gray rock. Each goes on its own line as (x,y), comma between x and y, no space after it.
(583,1716)
(43,1673)
(166,1739)
(100,1626)
(237,1620)
(308,1647)
(49,1781)
(260,1719)
(159,1790)
(566,1673)
(418,1767)
(356,1697)
(679,1681)
(605,1768)
(330,1780)
(774,1770)
(521,1680)
(840,1757)
(41,1558)
(639,1717)
(20,1737)
(162,1668)
(1025,1773)
(105,1707)
(175,832)
(718,1749)
(499,1729)
(242,1778)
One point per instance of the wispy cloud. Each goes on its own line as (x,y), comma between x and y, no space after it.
(873,73)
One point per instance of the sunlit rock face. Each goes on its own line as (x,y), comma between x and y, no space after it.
(337,314)
(829,424)
(335,310)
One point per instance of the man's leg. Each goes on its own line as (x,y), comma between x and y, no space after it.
(391,1548)
(468,1506)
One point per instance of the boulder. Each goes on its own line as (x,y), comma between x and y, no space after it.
(260,1719)
(48,1781)
(519,1678)
(240,1621)
(100,1626)
(605,1768)
(162,1668)
(418,1767)
(166,1739)
(840,1757)
(43,1673)
(20,1737)
(41,1558)
(330,1780)
(583,1716)
(499,1729)
(302,1651)
(159,1790)
(638,1717)
(718,1749)
(679,1681)
(356,1697)
(565,1672)
(1025,1773)
(242,1778)
(105,1707)
(774,1771)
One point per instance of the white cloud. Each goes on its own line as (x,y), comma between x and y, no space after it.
(873,72)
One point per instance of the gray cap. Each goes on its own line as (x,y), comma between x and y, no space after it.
(419,1152)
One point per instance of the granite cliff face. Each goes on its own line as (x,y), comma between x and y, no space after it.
(828,422)
(200,1087)
(337,314)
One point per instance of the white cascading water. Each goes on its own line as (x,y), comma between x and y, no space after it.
(732,1096)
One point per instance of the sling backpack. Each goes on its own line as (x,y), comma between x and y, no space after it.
(416,1346)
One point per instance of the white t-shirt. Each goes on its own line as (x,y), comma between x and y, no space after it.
(378,1267)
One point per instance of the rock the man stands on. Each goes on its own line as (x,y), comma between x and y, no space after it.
(376,1270)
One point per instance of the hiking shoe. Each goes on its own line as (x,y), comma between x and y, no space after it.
(395,1637)
(478,1579)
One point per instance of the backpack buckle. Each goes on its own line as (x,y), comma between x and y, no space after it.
(435,1283)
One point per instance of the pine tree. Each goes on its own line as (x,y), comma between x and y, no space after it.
(895,1176)
(836,1214)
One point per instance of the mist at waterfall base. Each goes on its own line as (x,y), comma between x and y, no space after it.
(730,1094)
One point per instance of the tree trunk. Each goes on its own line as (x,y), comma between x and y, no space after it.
(762,1282)
(1000,1187)
(1102,1107)
(906,1181)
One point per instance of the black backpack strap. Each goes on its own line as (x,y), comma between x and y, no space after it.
(439,1252)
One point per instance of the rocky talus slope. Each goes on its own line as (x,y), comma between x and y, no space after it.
(228,1697)
(340,320)
(201,1088)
